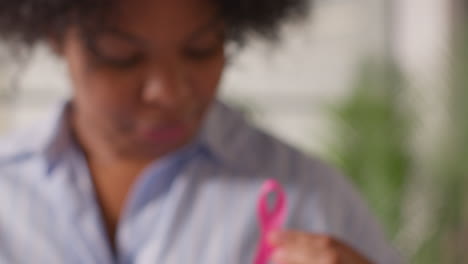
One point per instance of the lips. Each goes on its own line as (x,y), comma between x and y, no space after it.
(165,133)
(171,130)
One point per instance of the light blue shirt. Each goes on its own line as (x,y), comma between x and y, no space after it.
(197,205)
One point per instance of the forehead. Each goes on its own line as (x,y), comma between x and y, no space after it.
(170,19)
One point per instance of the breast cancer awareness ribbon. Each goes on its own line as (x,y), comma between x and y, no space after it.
(270,219)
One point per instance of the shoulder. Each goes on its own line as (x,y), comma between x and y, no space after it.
(255,150)
(262,151)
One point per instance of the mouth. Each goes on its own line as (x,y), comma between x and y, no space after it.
(166,133)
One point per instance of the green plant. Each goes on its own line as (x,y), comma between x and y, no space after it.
(372,130)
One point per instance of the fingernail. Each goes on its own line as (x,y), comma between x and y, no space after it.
(278,255)
(274,237)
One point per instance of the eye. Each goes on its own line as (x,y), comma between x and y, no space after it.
(121,62)
(205,45)
(114,50)
(202,53)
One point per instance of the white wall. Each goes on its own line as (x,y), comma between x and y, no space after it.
(423,33)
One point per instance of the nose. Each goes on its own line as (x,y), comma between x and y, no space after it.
(166,87)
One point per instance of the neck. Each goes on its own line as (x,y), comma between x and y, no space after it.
(101,155)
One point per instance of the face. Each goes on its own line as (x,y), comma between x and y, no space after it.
(143,82)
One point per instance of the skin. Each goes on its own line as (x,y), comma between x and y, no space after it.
(297,247)
(141,88)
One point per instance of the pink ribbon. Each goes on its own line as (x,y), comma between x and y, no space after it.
(269,219)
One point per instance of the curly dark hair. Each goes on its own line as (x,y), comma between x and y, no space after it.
(31,21)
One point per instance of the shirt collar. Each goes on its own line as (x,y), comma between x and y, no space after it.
(45,139)
(56,135)
(224,134)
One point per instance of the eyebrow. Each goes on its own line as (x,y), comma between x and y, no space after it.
(123,35)
(214,24)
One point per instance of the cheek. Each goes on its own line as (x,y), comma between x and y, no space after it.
(97,87)
(105,99)
(206,79)
(102,88)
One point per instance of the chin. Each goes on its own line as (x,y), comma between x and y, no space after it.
(154,150)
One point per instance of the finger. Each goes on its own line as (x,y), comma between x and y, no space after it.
(288,237)
(302,255)
(349,253)
(279,238)
(295,247)
(299,247)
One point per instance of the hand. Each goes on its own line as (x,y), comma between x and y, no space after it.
(293,247)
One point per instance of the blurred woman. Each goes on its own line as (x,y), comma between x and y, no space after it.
(143,164)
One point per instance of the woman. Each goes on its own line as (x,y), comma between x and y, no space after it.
(143,165)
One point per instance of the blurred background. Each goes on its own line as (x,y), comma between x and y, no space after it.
(375,87)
